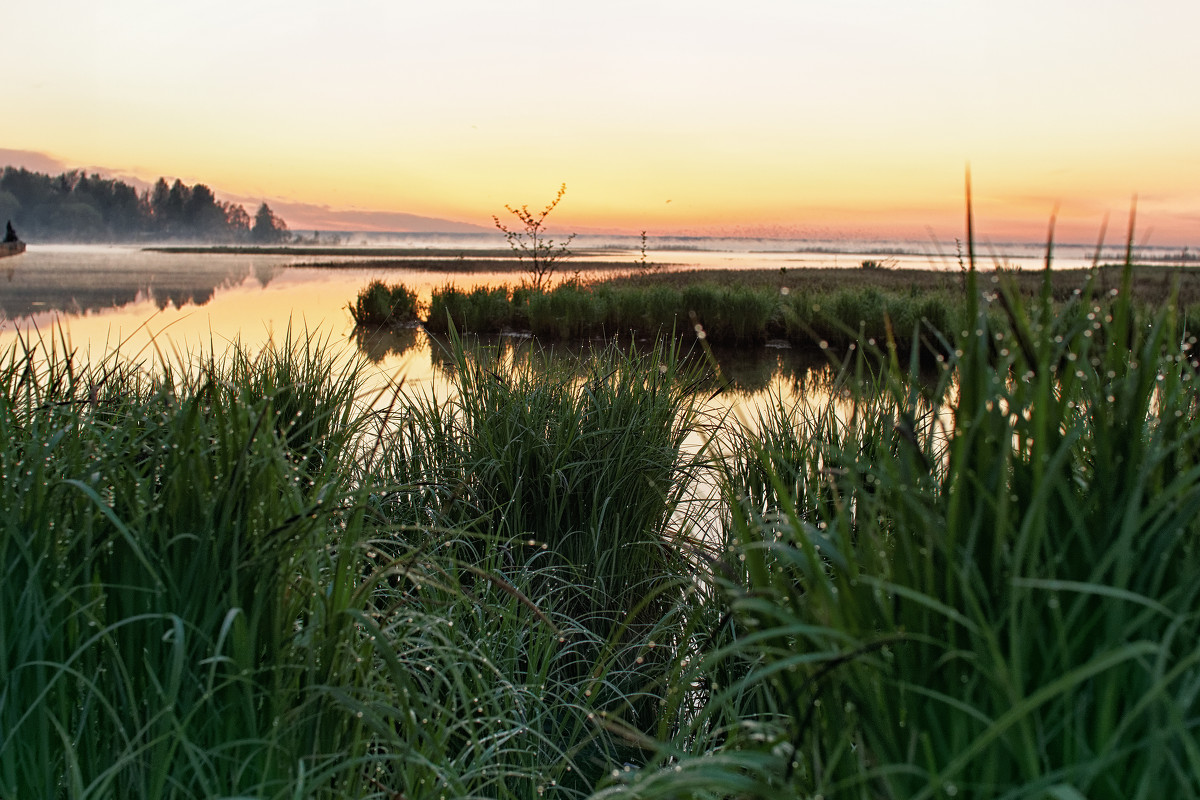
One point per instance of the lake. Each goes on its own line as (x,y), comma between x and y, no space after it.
(154,305)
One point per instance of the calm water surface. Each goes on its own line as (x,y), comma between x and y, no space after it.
(154,306)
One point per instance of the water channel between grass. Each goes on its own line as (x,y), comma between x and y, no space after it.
(161,307)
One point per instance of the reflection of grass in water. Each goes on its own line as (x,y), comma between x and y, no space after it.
(378,344)
(737,372)
(220,582)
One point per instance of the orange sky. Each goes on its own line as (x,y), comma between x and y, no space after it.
(791,117)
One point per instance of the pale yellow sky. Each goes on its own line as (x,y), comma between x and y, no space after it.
(817,118)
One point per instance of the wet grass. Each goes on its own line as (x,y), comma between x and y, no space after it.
(986,589)
(804,308)
(234,577)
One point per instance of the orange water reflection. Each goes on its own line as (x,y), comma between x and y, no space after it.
(154,307)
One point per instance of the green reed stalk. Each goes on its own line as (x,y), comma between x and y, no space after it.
(177,552)
(985,588)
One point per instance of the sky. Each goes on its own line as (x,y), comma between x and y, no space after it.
(829,119)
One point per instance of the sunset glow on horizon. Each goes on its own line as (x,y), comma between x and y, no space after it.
(777,118)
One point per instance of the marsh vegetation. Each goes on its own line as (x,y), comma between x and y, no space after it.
(238,577)
(747,308)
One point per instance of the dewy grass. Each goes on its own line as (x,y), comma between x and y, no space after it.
(988,591)
(211,587)
(592,467)
(227,578)
(170,544)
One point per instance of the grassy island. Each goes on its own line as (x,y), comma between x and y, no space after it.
(746,308)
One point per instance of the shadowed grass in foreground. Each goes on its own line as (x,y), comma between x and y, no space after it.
(986,590)
(211,589)
(229,578)
(178,552)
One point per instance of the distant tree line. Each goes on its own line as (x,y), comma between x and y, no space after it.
(78,207)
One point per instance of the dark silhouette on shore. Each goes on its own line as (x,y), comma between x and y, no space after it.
(10,235)
(77,207)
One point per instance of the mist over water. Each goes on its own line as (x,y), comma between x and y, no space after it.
(98,298)
(754,253)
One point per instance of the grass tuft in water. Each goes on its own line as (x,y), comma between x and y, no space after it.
(382,305)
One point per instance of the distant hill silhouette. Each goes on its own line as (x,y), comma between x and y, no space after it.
(308,216)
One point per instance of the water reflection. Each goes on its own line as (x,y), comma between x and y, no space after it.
(82,280)
(377,345)
(729,377)
(750,371)
(266,271)
(146,304)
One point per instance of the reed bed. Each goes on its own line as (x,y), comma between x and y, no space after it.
(481,310)
(735,315)
(381,304)
(232,577)
(986,588)
(804,307)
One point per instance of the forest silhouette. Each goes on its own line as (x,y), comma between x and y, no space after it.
(77,207)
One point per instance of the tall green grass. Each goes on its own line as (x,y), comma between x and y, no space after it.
(177,552)
(481,310)
(235,577)
(868,315)
(380,304)
(731,315)
(987,589)
(586,458)
(230,577)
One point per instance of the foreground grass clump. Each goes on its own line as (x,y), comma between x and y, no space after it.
(587,459)
(986,588)
(571,481)
(176,555)
(220,581)
(201,597)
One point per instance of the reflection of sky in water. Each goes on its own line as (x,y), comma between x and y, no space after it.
(154,306)
(164,307)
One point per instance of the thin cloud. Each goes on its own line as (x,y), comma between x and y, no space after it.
(31,160)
